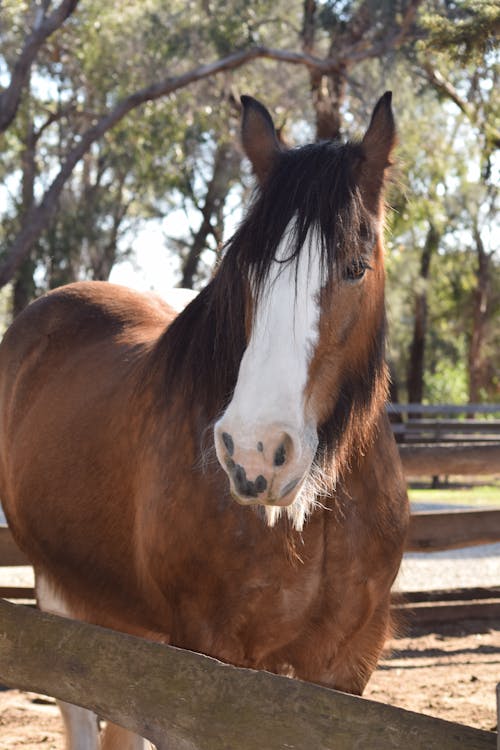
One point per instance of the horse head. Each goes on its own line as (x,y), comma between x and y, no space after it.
(311,255)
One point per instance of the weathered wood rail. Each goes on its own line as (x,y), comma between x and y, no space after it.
(444,410)
(478,459)
(197,703)
(433,439)
(435,531)
(432,608)
(447,430)
(10,554)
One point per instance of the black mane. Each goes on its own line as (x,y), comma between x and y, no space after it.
(315,185)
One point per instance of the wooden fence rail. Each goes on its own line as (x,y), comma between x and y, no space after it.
(440,459)
(197,703)
(447,439)
(10,554)
(434,531)
(445,410)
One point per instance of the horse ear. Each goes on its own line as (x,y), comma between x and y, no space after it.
(377,146)
(259,138)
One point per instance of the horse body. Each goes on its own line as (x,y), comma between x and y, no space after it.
(108,398)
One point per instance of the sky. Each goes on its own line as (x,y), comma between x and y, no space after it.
(151,267)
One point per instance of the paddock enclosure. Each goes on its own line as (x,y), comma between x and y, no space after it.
(223,481)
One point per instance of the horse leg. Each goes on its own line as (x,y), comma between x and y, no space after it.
(117,738)
(82,729)
(360,655)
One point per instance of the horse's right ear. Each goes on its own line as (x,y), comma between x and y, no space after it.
(377,145)
(258,137)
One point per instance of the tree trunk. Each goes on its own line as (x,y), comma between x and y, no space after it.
(415,371)
(24,286)
(226,169)
(327,91)
(43,26)
(479,318)
(327,96)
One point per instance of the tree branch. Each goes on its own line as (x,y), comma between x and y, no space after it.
(35,221)
(445,88)
(43,27)
(38,217)
(439,82)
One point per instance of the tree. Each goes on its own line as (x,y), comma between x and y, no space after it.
(43,25)
(473,89)
(38,216)
(350,32)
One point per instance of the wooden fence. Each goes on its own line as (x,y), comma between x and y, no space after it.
(441,459)
(436,531)
(188,701)
(447,439)
(439,531)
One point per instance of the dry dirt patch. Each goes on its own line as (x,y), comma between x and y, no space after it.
(451,674)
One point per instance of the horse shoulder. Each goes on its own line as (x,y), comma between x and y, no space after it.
(70,374)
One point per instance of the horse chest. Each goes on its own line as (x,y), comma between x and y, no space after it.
(240,597)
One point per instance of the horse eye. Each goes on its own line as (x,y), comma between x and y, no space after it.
(357,270)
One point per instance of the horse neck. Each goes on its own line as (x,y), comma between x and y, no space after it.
(194,366)
(351,429)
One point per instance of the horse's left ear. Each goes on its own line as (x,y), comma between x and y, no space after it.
(377,146)
(259,138)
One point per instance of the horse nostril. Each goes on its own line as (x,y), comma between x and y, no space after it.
(228,442)
(280,455)
(260,484)
(284,451)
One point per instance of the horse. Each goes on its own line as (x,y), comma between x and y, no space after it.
(224,478)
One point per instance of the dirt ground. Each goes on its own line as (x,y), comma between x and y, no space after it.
(451,674)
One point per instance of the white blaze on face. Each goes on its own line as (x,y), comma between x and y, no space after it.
(268,405)
(273,372)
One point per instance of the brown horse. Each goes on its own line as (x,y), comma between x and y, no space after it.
(112,406)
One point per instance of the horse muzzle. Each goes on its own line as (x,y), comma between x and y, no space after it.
(266,466)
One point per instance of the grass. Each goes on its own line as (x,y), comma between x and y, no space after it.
(474,495)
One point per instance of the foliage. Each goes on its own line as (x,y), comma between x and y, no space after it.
(469,29)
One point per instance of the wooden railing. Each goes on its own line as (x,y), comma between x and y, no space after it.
(441,423)
(189,700)
(447,439)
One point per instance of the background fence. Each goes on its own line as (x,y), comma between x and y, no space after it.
(444,439)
